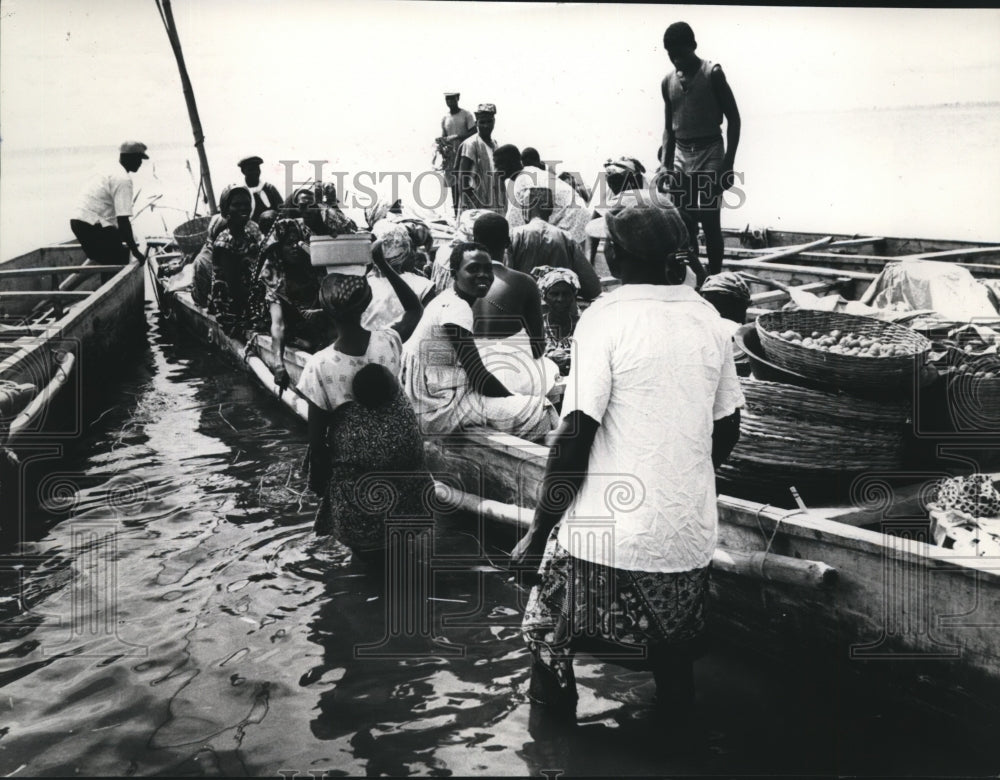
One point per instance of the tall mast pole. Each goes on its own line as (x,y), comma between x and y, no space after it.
(199,138)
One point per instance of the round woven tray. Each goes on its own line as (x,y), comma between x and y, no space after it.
(847,372)
(191,235)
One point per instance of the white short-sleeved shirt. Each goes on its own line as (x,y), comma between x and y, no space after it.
(653,364)
(328,374)
(432,376)
(105,197)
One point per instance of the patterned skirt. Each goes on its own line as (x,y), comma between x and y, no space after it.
(618,615)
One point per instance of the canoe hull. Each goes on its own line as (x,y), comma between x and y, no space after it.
(898,603)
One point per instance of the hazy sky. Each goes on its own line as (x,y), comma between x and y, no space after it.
(360,83)
(77,73)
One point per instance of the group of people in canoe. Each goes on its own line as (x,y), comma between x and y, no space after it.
(475,335)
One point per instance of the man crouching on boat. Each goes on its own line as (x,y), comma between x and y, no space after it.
(652,403)
(102,222)
(443,373)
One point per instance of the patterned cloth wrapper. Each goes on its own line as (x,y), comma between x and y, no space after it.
(965,515)
(343,295)
(616,614)
(378,473)
(395,245)
(728,283)
(547,276)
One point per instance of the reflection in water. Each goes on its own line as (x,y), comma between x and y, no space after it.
(175,614)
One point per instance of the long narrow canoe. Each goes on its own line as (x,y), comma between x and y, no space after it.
(896,602)
(61,317)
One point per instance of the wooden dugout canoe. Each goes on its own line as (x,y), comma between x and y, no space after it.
(61,316)
(827,580)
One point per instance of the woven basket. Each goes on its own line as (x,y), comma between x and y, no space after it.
(190,236)
(846,372)
(817,441)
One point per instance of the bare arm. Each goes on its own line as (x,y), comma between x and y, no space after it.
(668,128)
(125,228)
(725,435)
(565,472)
(481,380)
(320,455)
(727,100)
(412,308)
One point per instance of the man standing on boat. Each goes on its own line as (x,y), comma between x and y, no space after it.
(651,408)
(695,161)
(457,125)
(265,195)
(102,221)
(476,179)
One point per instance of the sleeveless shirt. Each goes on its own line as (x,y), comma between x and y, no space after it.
(696,112)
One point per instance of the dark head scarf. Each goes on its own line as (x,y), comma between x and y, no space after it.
(227,197)
(344,296)
(728,283)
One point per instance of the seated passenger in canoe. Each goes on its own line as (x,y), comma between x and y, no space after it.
(729,293)
(441,267)
(560,313)
(538,243)
(335,221)
(570,212)
(368,463)
(286,299)
(507,321)
(443,374)
(396,249)
(235,254)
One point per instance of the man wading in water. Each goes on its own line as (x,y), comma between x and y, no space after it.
(651,408)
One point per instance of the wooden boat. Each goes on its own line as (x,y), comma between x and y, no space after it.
(858,583)
(60,317)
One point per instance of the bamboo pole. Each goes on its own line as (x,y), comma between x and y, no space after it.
(167,15)
(759,565)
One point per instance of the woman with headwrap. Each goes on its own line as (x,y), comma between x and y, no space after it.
(396,248)
(235,252)
(558,287)
(334,222)
(377,469)
(729,293)
(286,298)
(327,378)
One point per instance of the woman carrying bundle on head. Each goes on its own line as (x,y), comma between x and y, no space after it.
(328,376)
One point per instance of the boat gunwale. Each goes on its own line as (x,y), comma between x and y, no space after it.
(76,312)
(810,524)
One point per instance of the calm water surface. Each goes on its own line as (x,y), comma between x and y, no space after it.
(175,615)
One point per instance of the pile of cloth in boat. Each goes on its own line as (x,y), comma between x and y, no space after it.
(965,515)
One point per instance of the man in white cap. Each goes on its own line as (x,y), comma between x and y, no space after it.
(457,125)
(265,195)
(651,409)
(102,220)
(479,187)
